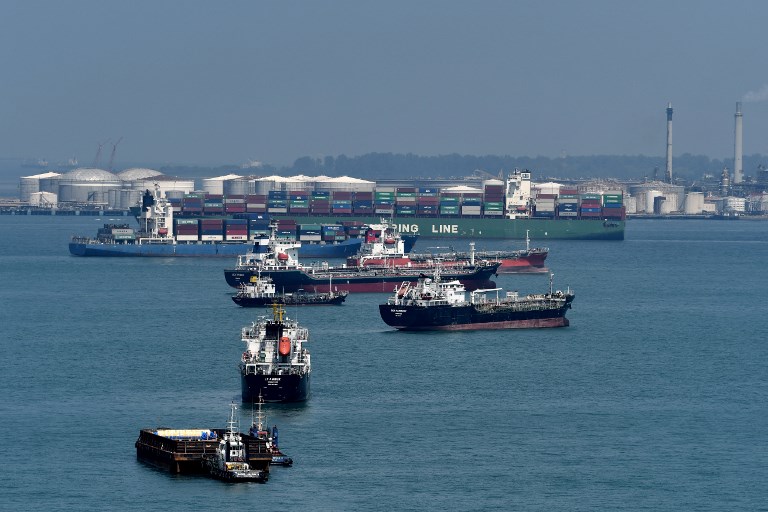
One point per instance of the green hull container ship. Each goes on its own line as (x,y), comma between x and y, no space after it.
(485,227)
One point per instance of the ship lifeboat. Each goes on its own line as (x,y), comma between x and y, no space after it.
(284,348)
(389,241)
(281,256)
(163,231)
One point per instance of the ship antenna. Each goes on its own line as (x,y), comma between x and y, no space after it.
(551,278)
(231,423)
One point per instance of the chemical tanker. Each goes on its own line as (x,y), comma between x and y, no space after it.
(279,260)
(434,304)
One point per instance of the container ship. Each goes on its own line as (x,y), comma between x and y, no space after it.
(160,234)
(435,304)
(501,209)
(275,366)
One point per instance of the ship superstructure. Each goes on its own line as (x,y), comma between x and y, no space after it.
(275,365)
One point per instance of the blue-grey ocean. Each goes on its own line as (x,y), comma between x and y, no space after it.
(655,398)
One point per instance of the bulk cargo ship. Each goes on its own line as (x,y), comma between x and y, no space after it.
(275,366)
(501,209)
(160,234)
(436,304)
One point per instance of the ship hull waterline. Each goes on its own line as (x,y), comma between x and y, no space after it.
(275,388)
(294,280)
(262,302)
(415,318)
(343,249)
(489,228)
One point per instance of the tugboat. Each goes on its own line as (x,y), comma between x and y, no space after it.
(261,292)
(433,304)
(229,460)
(275,365)
(268,439)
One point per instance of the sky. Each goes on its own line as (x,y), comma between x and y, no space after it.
(229,81)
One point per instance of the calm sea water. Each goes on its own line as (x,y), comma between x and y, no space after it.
(653,399)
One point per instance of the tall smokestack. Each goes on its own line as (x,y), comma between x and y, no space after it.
(668,175)
(738,168)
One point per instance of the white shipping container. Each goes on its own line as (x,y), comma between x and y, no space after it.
(277,210)
(568,214)
(310,238)
(212,238)
(186,238)
(237,237)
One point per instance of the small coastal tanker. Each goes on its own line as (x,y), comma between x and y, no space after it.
(434,304)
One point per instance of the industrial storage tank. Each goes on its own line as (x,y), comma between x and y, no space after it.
(137,173)
(296,183)
(129,197)
(647,192)
(113,198)
(164,183)
(31,184)
(87,185)
(239,186)
(216,185)
(650,200)
(264,185)
(345,184)
(694,203)
(547,188)
(43,199)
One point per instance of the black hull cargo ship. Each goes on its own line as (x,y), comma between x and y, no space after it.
(366,280)
(433,304)
(262,293)
(275,366)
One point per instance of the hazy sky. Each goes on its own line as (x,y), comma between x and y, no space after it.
(225,81)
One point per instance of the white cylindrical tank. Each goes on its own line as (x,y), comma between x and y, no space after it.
(650,199)
(216,185)
(29,185)
(667,206)
(38,183)
(694,203)
(174,194)
(545,188)
(113,198)
(238,186)
(630,203)
(129,197)
(42,199)
(87,185)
